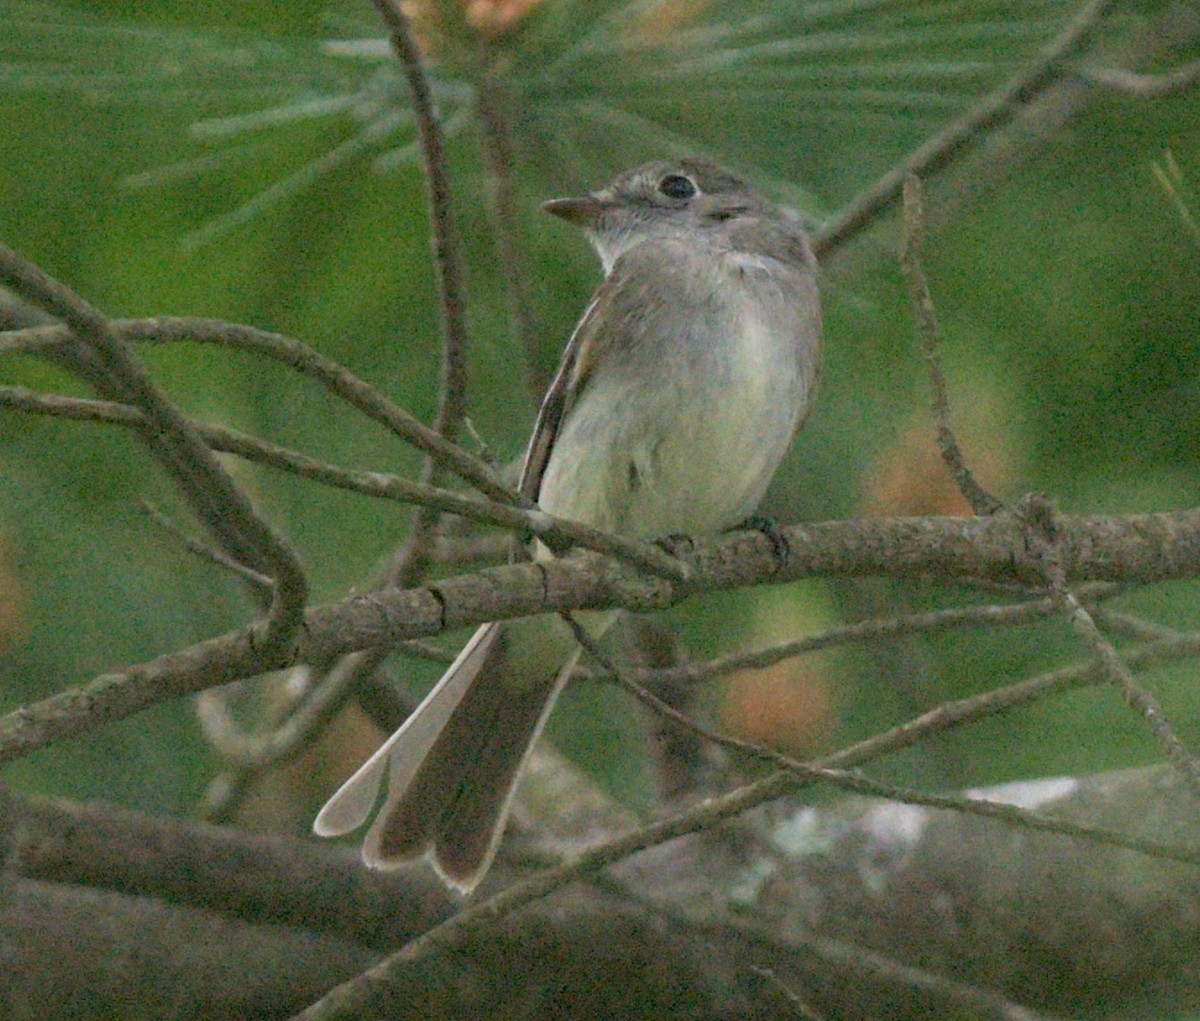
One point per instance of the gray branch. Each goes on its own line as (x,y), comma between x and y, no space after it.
(865,910)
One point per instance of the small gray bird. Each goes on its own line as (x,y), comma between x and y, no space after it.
(678,395)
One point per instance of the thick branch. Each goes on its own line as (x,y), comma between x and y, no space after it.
(870,911)
(96,956)
(1140,548)
(865,910)
(268,880)
(1062,925)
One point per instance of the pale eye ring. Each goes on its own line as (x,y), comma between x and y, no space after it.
(677,186)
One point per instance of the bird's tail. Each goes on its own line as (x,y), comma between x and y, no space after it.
(453,766)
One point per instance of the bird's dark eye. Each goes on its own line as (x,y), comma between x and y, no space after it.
(676,186)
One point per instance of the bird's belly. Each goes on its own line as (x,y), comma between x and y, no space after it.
(671,452)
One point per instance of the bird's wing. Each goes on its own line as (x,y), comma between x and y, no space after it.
(619,297)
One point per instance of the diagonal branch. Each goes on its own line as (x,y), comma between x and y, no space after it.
(1042,521)
(225,510)
(378,484)
(1139,699)
(995,109)
(807,773)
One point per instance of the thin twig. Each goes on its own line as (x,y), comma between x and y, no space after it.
(296,355)
(288,725)
(228,789)
(1044,545)
(803,1011)
(203,550)
(551,529)
(413,559)
(1138,698)
(447,258)
(813,772)
(933,621)
(956,998)
(320,700)
(1170,178)
(981,501)
(1146,86)
(992,111)
(223,795)
(319,703)
(1129,625)
(872,630)
(211,493)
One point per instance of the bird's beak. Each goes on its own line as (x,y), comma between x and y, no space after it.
(584,211)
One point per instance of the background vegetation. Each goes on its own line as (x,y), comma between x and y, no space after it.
(136,164)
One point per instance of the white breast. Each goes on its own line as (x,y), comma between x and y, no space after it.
(685,433)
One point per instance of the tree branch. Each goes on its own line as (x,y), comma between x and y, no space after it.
(447,259)
(1146,86)
(225,510)
(296,355)
(558,532)
(979,499)
(807,896)
(266,880)
(1141,548)
(799,892)
(995,109)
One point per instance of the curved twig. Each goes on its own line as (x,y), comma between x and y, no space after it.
(1146,86)
(296,355)
(980,500)
(446,256)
